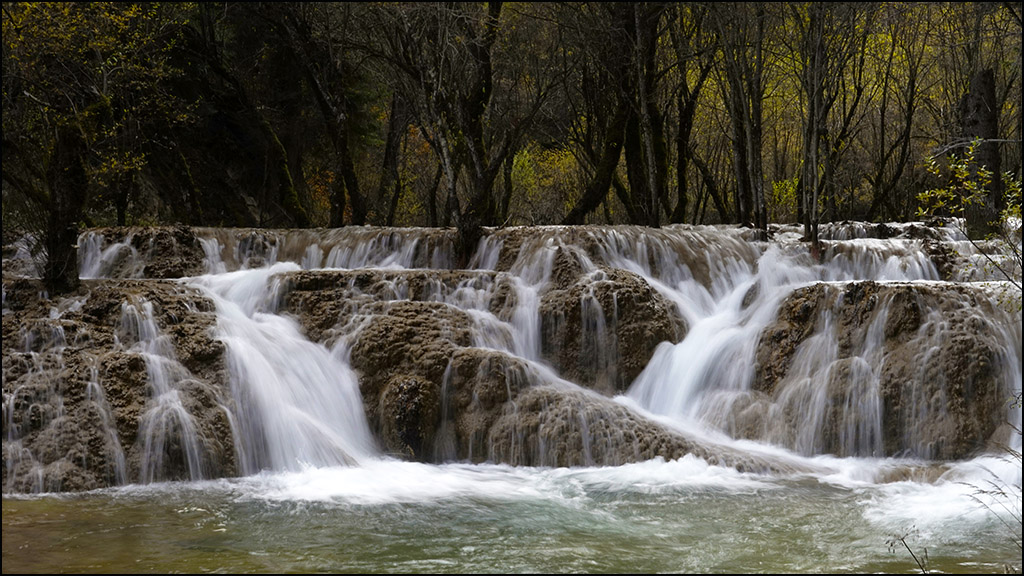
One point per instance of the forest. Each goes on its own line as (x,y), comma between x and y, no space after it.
(473,115)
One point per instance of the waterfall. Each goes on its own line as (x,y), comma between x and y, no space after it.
(167,428)
(297,403)
(114,456)
(725,288)
(99,259)
(557,346)
(709,375)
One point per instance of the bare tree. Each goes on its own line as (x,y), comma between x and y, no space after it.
(693,47)
(742,29)
(903,72)
(826,48)
(470,108)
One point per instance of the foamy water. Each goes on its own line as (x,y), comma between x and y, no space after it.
(318,495)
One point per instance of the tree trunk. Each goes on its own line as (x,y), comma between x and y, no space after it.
(348,173)
(814,86)
(68,183)
(640,192)
(650,128)
(123,184)
(980,120)
(432,219)
(625,197)
(195,211)
(753,123)
(682,159)
(507,188)
(740,170)
(389,181)
(396,195)
(597,188)
(338,201)
(277,157)
(712,189)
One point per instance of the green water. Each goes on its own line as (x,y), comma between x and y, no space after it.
(496,519)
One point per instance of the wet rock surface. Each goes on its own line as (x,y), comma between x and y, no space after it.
(429,393)
(938,386)
(433,377)
(700,251)
(601,330)
(327,302)
(556,426)
(76,387)
(448,369)
(150,252)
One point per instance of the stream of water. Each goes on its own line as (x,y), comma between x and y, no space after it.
(316,495)
(387,516)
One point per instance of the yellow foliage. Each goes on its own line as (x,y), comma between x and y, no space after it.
(546,183)
(98,66)
(783,201)
(319,182)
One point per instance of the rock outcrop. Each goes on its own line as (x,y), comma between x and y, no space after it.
(553,425)
(137,252)
(76,388)
(925,361)
(435,378)
(601,330)
(518,360)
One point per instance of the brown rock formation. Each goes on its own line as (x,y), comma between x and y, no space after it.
(74,395)
(429,391)
(160,252)
(939,379)
(602,329)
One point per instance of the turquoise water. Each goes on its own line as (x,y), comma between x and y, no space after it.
(681,516)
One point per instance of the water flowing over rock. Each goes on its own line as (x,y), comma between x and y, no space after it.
(140,253)
(295,404)
(201,353)
(557,426)
(907,369)
(97,394)
(601,331)
(435,377)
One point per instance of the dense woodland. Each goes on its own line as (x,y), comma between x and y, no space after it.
(489,114)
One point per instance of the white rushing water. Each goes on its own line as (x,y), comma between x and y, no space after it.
(166,419)
(726,289)
(291,387)
(298,404)
(309,459)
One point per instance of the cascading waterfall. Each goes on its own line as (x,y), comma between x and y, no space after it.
(716,356)
(596,341)
(700,377)
(36,402)
(529,276)
(294,403)
(114,456)
(39,400)
(347,248)
(167,428)
(574,392)
(212,261)
(297,403)
(99,260)
(806,394)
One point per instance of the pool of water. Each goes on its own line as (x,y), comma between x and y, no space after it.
(388,516)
